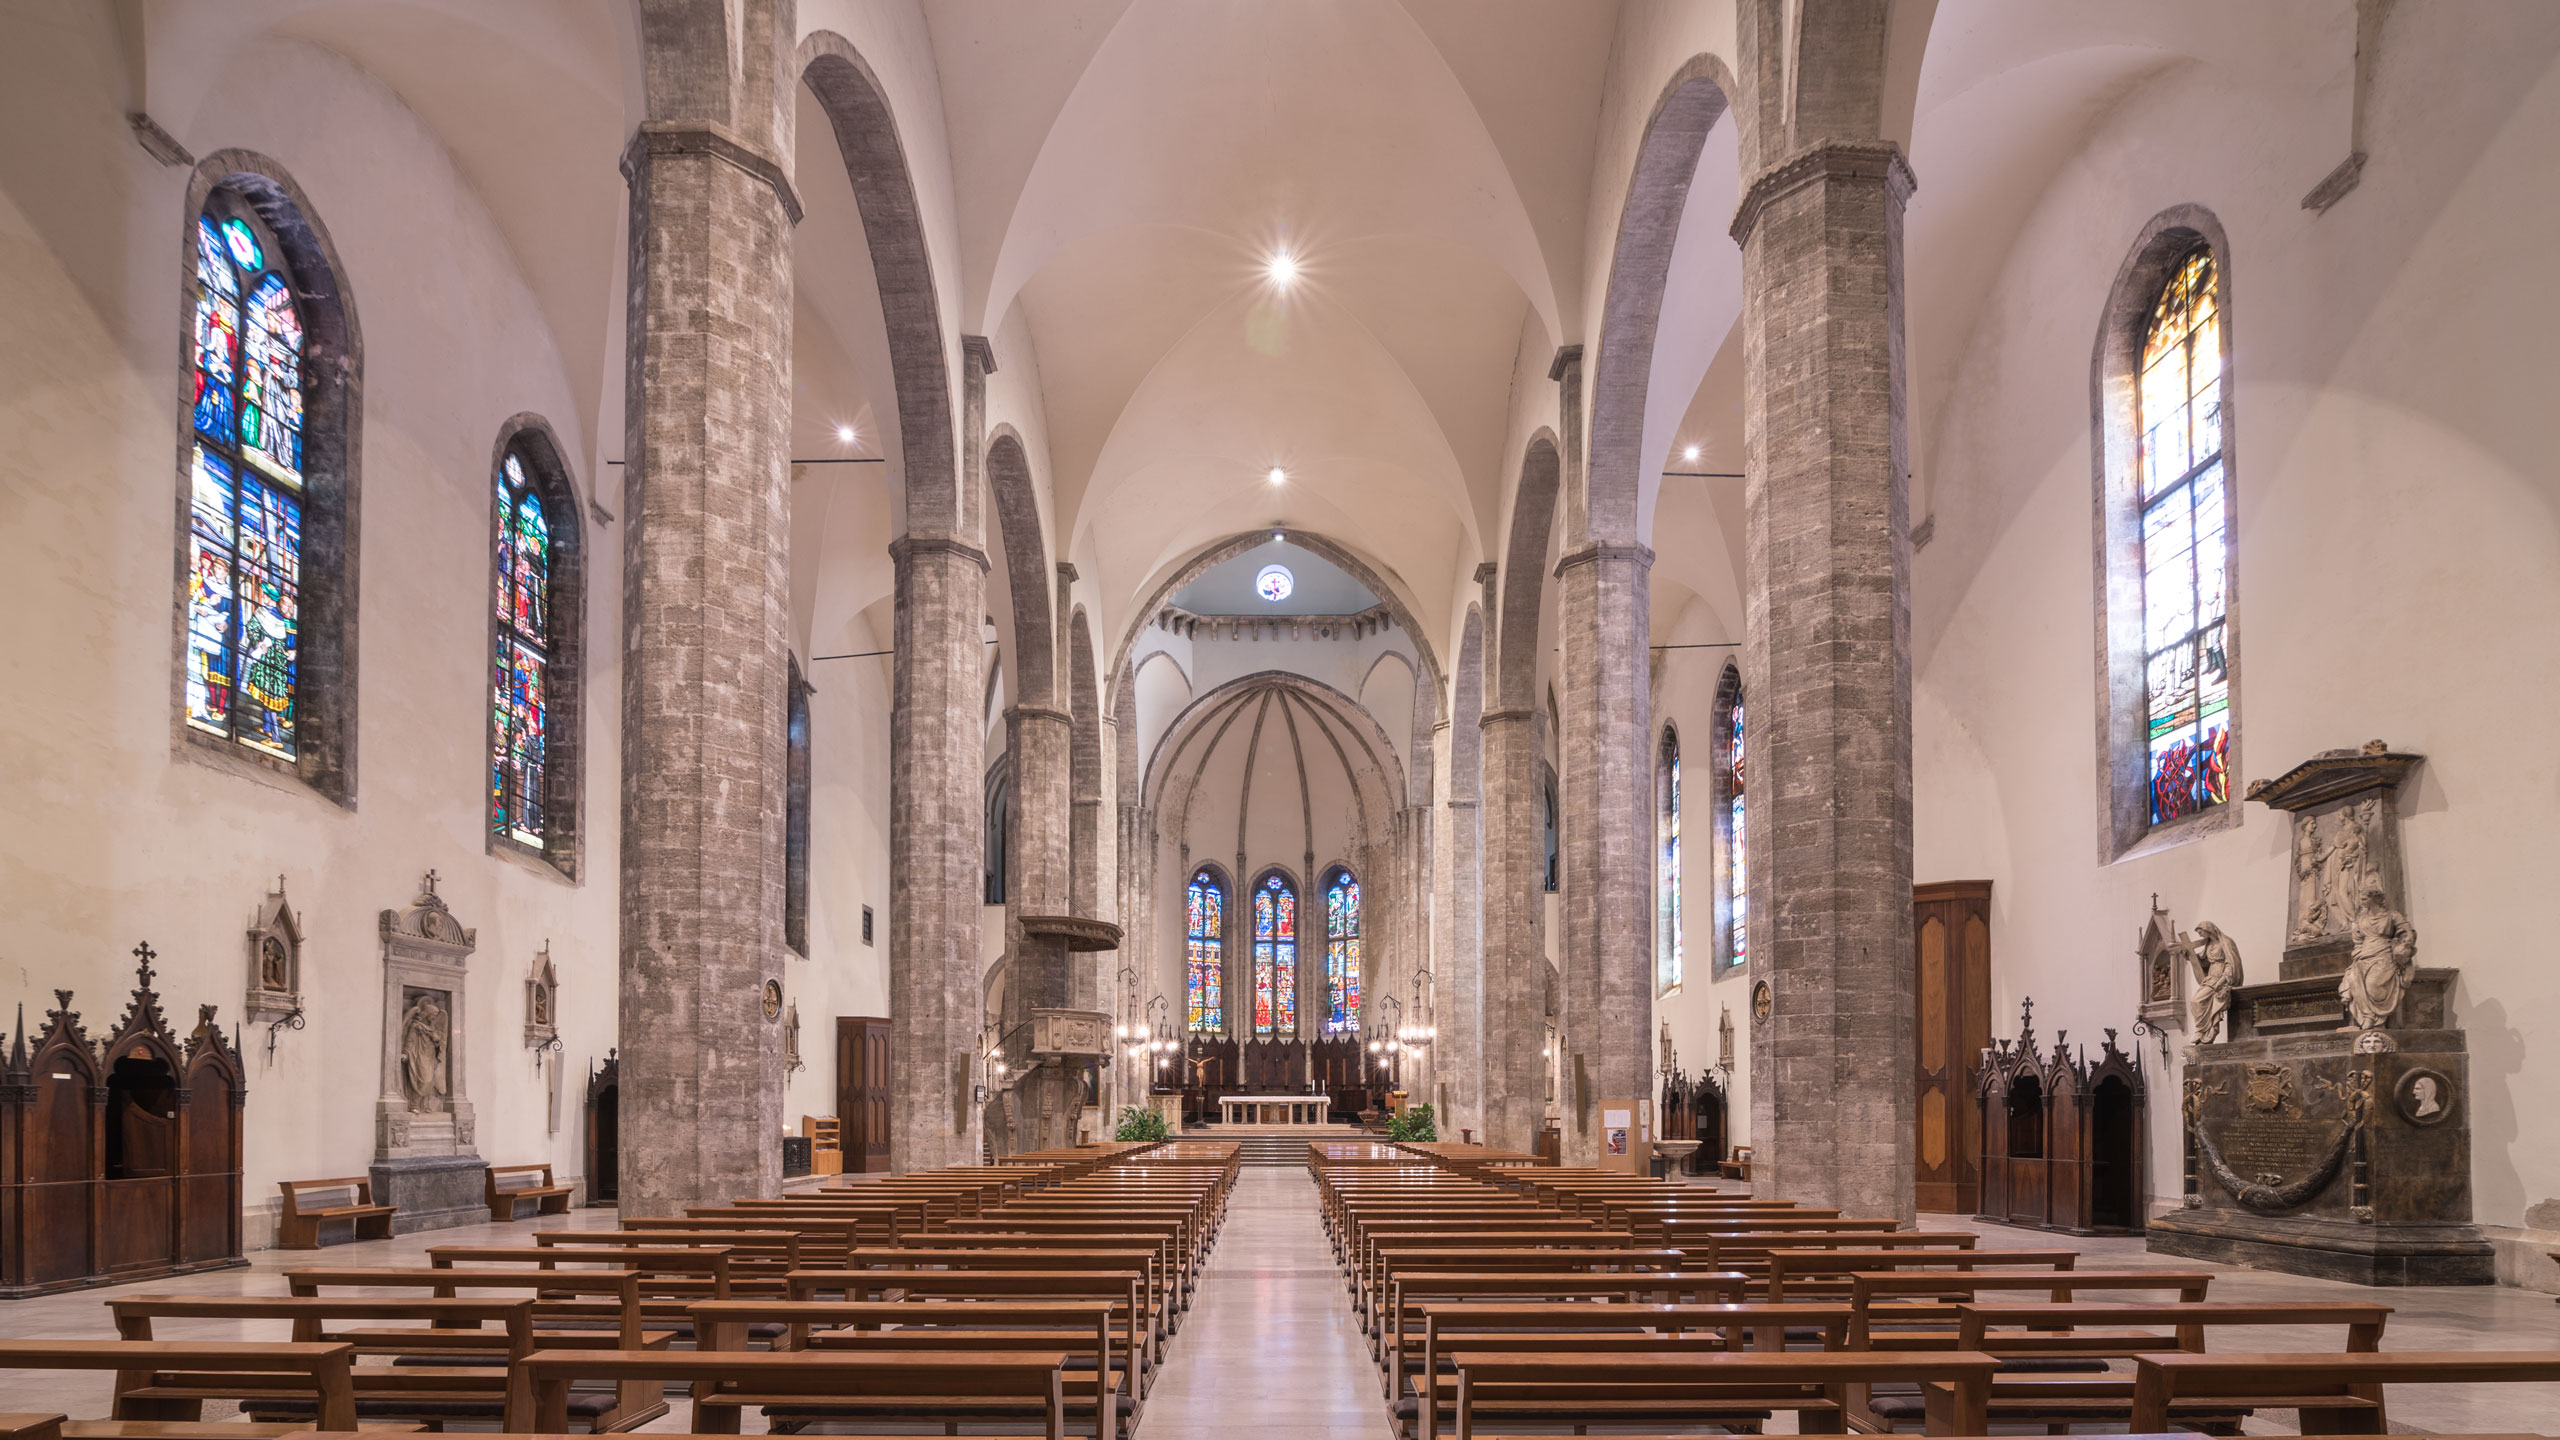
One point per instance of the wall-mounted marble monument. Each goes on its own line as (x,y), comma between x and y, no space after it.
(425,1160)
(2327,1133)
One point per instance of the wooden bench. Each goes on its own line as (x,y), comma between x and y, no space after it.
(725,1382)
(1101,1382)
(449,1369)
(1882,1304)
(2335,1394)
(1636,1386)
(322,1371)
(507,1184)
(298,1228)
(1421,1386)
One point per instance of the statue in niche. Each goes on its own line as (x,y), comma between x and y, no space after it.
(2311,905)
(2352,868)
(425,1037)
(2383,952)
(2217,962)
(272,967)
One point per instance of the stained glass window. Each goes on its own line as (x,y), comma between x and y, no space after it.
(1667,950)
(1204,952)
(1341,954)
(1275,958)
(519,685)
(1737,879)
(244,532)
(2187,680)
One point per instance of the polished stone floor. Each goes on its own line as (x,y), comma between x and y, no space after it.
(1270,1349)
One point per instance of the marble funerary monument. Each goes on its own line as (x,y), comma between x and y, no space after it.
(2326,1134)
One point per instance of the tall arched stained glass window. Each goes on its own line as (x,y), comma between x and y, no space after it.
(244,537)
(2180,489)
(520,682)
(1725,811)
(1667,952)
(1275,958)
(1341,953)
(1204,952)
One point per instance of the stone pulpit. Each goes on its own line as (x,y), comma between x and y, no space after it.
(425,1159)
(2329,1132)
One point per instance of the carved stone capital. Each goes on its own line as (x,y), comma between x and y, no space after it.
(1877,161)
(708,137)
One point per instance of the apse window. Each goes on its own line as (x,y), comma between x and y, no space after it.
(1275,583)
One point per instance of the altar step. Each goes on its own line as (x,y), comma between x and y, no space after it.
(1274,1145)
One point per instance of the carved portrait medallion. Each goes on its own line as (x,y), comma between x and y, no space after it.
(1761,1002)
(773,999)
(2424,1096)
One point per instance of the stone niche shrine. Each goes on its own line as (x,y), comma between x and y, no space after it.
(2327,1133)
(425,1159)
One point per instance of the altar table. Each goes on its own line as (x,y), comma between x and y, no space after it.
(1276,1109)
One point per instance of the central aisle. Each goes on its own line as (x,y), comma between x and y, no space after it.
(1269,1344)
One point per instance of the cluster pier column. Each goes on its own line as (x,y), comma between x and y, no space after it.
(1515,960)
(704,668)
(936,830)
(1828,675)
(1606,944)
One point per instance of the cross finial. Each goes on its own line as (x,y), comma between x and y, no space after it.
(145,954)
(2027,1012)
(432,877)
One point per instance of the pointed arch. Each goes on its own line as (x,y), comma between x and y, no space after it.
(270,378)
(1204,958)
(537,646)
(875,160)
(1342,955)
(1691,103)
(1028,579)
(1524,573)
(1274,917)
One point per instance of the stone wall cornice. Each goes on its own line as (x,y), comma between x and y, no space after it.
(907,546)
(709,137)
(1505,717)
(1879,160)
(1642,555)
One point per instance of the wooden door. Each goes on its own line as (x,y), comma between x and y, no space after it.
(862,1091)
(1951,945)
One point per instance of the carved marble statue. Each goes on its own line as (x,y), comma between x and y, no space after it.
(2383,953)
(425,1032)
(2311,904)
(2217,962)
(2352,867)
(272,969)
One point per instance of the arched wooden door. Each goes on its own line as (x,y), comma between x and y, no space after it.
(1951,945)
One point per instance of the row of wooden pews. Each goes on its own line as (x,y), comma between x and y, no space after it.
(1503,1297)
(1037,1297)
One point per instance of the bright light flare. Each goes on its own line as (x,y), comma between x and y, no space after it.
(1690,454)
(846,435)
(1282,268)
(1277,476)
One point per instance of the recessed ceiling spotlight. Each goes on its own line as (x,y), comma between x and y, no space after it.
(845,435)
(1283,269)
(1277,475)
(1690,454)
(1279,536)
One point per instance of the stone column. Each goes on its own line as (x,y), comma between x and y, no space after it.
(1606,946)
(706,439)
(1828,676)
(936,820)
(1515,962)
(1038,739)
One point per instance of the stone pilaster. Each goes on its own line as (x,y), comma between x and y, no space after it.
(936,820)
(1606,945)
(1828,675)
(708,406)
(1515,961)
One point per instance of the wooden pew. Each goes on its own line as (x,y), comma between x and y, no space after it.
(1407,1295)
(726,1382)
(507,1184)
(323,1371)
(1087,1333)
(478,1384)
(1884,1304)
(2335,1394)
(1420,1384)
(1631,1386)
(1821,1274)
(298,1226)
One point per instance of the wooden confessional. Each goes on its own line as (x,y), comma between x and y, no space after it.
(2061,1137)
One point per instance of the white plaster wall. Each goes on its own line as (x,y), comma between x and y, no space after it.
(1684,696)
(2398,557)
(111,836)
